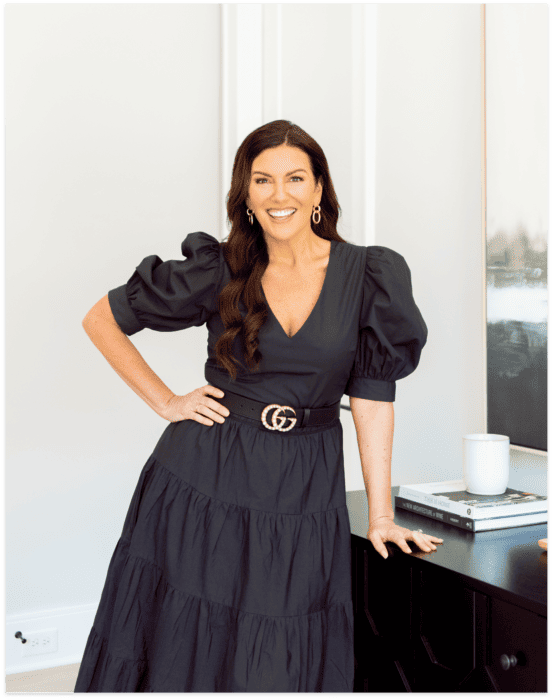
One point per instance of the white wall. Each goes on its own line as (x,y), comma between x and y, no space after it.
(428,207)
(112,154)
(115,150)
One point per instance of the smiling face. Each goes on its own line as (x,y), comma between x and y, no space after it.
(282,182)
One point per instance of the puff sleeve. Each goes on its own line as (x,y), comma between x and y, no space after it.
(174,294)
(392,331)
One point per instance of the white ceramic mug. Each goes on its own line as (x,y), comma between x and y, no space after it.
(486,463)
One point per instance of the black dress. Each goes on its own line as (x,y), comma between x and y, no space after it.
(233,569)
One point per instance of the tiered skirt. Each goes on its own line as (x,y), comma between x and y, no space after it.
(233,569)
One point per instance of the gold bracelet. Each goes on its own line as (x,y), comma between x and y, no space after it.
(379,517)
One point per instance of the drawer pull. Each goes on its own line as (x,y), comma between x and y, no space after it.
(508,661)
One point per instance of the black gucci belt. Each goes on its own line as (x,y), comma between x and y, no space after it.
(301,417)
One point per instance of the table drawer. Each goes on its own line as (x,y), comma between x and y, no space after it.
(518,648)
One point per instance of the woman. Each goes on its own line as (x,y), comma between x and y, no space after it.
(233,570)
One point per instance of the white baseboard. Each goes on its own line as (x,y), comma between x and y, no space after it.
(73,625)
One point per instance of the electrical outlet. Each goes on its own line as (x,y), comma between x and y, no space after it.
(41,642)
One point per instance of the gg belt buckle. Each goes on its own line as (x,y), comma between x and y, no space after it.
(283,419)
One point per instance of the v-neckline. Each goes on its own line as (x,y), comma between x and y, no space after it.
(328,267)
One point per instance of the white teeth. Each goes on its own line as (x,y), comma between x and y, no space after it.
(282,213)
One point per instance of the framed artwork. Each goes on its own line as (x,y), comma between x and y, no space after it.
(515,212)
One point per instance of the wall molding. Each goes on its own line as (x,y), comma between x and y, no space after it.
(252,87)
(363,69)
(251,80)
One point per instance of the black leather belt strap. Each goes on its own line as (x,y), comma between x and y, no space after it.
(277,416)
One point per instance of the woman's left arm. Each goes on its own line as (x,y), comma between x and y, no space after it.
(374,423)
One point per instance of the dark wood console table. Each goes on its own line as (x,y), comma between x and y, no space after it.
(469,617)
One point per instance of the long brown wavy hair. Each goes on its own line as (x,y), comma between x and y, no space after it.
(246,251)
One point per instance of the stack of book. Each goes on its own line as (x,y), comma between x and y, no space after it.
(449,502)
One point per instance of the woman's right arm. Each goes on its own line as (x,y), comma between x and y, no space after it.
(104,331)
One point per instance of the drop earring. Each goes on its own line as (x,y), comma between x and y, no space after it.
(317,211)
(250,217)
